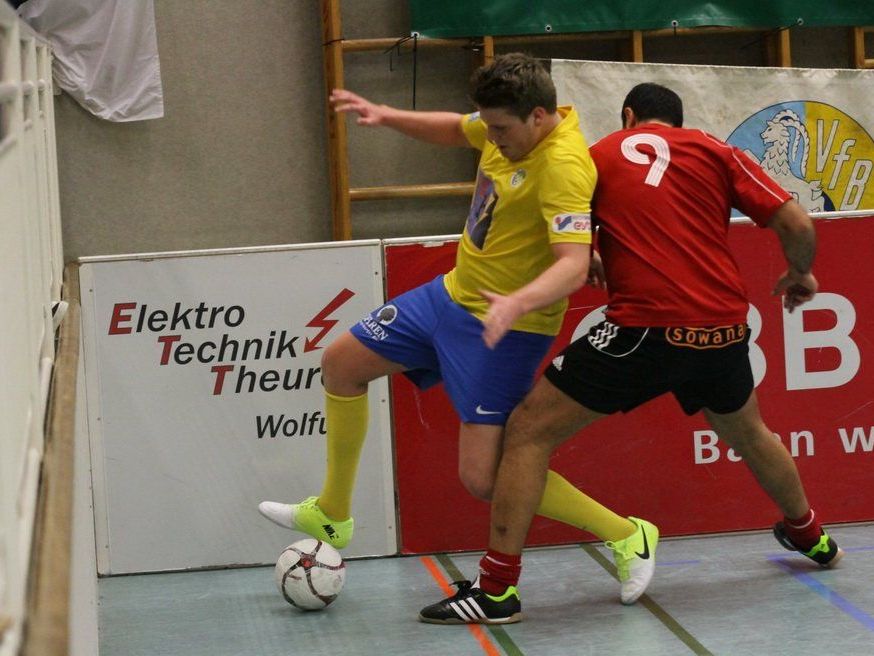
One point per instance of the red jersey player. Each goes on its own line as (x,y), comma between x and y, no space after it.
(676,322)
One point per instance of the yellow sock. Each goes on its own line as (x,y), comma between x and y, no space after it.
(564,503)
(346,423)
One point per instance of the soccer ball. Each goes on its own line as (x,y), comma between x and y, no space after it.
(310,574)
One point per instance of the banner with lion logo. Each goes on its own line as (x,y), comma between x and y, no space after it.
(810,129)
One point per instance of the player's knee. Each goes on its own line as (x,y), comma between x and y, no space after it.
(330,374)
(330,361)
(335,373)
(522,427)
(478,483)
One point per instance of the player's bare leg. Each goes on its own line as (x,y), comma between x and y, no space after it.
(546,418)
(540,423)
(479,452)
(768,460)
(772,465)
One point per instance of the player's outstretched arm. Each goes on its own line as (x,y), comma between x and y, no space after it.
(442,128)
(797,236)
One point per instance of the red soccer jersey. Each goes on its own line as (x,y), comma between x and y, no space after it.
(662,205)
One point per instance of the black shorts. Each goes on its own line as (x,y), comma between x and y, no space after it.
(616,368)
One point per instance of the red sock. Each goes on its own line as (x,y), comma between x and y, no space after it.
(804,531)
(498,571)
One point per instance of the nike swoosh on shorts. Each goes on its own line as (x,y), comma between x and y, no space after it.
(480,411)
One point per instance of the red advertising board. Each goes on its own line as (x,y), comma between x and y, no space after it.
(815,375)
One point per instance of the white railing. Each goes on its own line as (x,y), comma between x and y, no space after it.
(31,268)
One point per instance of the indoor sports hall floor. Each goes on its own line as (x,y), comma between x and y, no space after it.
(733,595)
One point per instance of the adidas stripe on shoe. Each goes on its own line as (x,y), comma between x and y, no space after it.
(470,605)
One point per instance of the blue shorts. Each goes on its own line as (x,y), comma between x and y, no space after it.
(437,339)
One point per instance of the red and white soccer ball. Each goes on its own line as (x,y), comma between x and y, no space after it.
(310,574)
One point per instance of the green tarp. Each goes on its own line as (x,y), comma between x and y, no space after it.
(448,18)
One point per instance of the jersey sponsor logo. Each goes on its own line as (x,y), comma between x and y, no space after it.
(816,152)
(372,328)
(576,224)
(706,338)
(387,314)
(518,178)
(601,335)
(482,207)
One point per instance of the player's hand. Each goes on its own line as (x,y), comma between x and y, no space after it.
(596,276)
(797,288)
(502,314)
(344,101)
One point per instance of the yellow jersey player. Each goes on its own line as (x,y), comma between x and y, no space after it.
(483,328)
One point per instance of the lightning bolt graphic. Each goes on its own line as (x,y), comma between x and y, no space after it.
(321,320)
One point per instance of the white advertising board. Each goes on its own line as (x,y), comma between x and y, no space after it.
(204,397)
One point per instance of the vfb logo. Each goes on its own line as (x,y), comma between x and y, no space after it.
(816,152)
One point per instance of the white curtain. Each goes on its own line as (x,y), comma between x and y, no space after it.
(106,54)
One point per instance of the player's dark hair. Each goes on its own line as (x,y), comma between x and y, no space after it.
(515,82)
(651,101)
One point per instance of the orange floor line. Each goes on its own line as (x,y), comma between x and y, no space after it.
(477,630)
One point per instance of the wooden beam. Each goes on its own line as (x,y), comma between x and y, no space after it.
(635,46)
(367,45)
(338,161)
(441,190)
(384,43)
(488,50)
(689,31)
(636,37)
(778,50)
(858,58)
(857,47)
(560,38)
(48,626)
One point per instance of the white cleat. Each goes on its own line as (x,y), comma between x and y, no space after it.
(307,517)
(278,513)
(635,559)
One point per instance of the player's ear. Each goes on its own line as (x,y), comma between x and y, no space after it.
(629,120)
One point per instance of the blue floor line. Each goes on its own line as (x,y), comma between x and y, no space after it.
(674,563)
(827,593)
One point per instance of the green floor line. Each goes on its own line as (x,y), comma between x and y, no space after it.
(647,602)
(498,633)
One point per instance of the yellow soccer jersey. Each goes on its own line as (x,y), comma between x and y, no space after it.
(520,208)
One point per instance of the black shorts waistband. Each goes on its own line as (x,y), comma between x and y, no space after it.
(706,337)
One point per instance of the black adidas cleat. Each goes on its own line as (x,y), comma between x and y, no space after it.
(826,553)
(470,605)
